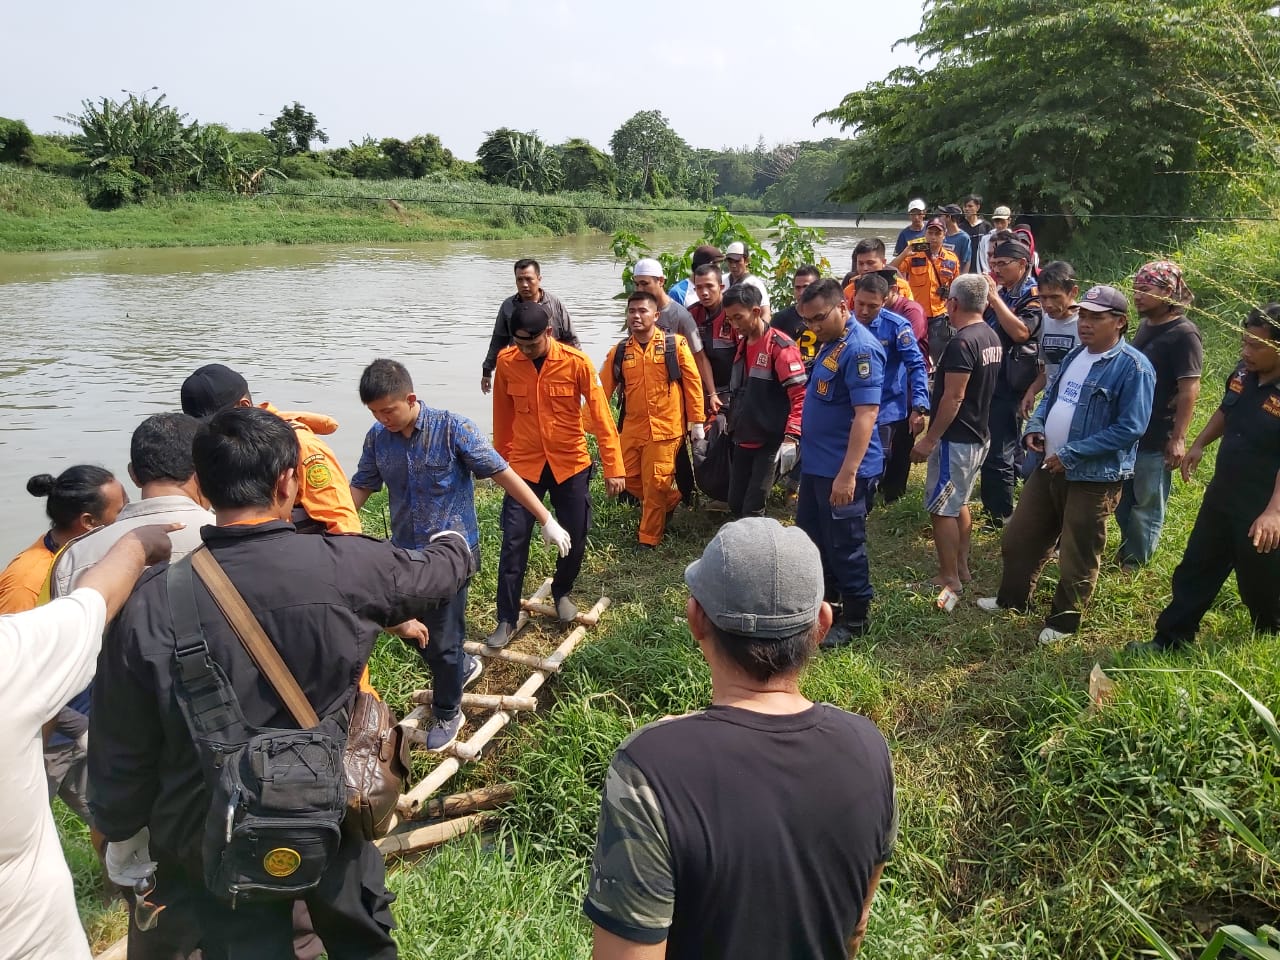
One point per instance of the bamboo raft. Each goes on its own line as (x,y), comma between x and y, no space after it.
(460,813)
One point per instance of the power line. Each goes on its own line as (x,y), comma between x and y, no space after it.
(856,215)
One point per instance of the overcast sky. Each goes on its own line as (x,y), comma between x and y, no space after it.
(723,74)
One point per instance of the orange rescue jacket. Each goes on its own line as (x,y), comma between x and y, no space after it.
(323,491)
(538,417)
(657,409)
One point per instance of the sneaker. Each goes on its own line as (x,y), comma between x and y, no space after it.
(442,733)
(843,632)
(1050,635)
(643,547)
(500,637)
(471,670)
(989,604)
(566,610)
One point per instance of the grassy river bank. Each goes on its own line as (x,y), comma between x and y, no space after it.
(44,211)
(1018,802)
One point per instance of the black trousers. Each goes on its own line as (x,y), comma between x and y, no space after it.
(350,909)
(897,441)
(571,501)
(999,470)
(751,478)
(1219,543)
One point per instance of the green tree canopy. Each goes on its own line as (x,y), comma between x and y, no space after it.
(652,159)
(520,160)
(293,131)
(416,157)
(1049,105)
(586,168)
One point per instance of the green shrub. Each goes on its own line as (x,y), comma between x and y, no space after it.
(15,140)
(308,166)
(53,153)
(115,183)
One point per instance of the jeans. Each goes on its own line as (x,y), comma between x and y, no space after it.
(571,501)
(1072,514)
(999,472)
(1142,506)
(751,479)
(840,534)
(1219,543)
(447,625)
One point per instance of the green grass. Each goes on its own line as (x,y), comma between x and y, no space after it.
(42,211)
(1018,803)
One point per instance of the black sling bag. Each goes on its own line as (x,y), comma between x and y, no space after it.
(277,796)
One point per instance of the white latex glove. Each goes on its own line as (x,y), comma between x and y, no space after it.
(129,861)
(786,458)
(554,535)
(697,432)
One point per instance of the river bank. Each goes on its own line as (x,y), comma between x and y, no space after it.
(43,211)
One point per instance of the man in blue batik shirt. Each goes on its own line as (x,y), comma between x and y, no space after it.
(840,452)
(428,460)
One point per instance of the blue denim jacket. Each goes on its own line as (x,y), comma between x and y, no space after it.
(1114,407)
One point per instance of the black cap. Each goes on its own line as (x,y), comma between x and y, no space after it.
(953,210)
(529,317)
(705,254)
(212,389)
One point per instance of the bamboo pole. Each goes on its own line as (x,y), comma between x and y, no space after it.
(117,951)
(510,656)
(484,798)
(412,801)
(547,610)
(484,701)
(540,594)
(423,838)
(472,748)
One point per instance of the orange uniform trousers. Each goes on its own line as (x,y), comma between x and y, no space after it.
(651,477)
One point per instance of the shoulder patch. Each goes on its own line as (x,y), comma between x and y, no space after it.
(318,475)
(864,366)
(315,458)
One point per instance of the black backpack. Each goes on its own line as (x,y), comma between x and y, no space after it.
(277,796)
(673,371)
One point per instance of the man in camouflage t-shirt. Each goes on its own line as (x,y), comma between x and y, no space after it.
(775,814)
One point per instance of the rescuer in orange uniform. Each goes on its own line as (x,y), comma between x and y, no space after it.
(539,387)
(662,397)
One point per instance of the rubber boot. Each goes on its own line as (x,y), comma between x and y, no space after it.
(849,623)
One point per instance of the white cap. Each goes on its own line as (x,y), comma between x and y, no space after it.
(1001,213)
(916,204)
(648,267)
(736,249)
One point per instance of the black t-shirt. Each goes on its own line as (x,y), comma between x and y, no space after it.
(731,833)
(792,324)
(1249,458)
(975,232)
(1175,350)
(975,350)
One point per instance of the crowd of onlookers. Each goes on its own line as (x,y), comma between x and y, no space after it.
(959,350)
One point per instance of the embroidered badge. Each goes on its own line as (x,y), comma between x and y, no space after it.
(319,476)
(1236,383)
(864,367)
(1272,405)
(823,387)
(832,362)
(281,862)
(762,359)
(796,367)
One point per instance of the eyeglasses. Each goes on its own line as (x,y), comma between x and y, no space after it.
(1001,264)
(810,321)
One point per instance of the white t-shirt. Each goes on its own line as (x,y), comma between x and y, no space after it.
(1057,339)
(47,656)
(1057,422)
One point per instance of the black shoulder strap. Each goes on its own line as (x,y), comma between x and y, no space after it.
(618,352)
(673,362)
(205,698)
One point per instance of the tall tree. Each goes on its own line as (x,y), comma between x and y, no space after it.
(651,158)
(1060,106)
(586,168)
(293,131)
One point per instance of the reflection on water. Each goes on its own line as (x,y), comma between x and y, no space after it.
(92,342)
